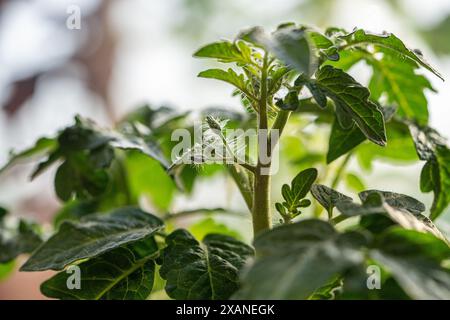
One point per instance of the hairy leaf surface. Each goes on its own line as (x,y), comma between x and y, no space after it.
(327,197)
(304,256)
(387,41)
(207,270)
(354,99)
(92,236)
(125,273)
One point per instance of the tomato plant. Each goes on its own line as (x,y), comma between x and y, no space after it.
(295,88)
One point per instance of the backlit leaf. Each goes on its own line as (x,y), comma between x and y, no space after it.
(354,99)
(224,51)
(387,41)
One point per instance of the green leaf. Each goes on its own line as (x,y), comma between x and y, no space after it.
(292,45)
(125,273)
(302,183)
(41,147)
(254,35)
(229,76)
(432,147)
(92,236)
(288,43)
(348,58)
(400,148)
(344,119)
(437,35)
(427,176)
(393,78)
(294,194)
(441,181)
(397,250)
(133,143)
(426,140)
(354,99)
(224,51)
(290,101)
(372,205)
(207,270)
(275,78)
(297,259)
(146,177)
(76,177)
(209,225)
(396,200)
(326,47)
(397,78)
(354,182)
(400,209)
(317,93)
(330,291)
(342,141)
(388,41)
(7,269)
(23,239)
(327,197)
(86,135)
(414,259)
(281,209)
(87,153)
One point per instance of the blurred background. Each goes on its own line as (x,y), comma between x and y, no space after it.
(137,51)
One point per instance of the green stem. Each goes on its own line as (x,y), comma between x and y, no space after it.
(242,163)
(279,124)
(340,171)
(243,182)
(338,219)
(262,219)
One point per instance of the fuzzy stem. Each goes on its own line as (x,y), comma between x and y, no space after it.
(243,182)
(279,124)
(262,219)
